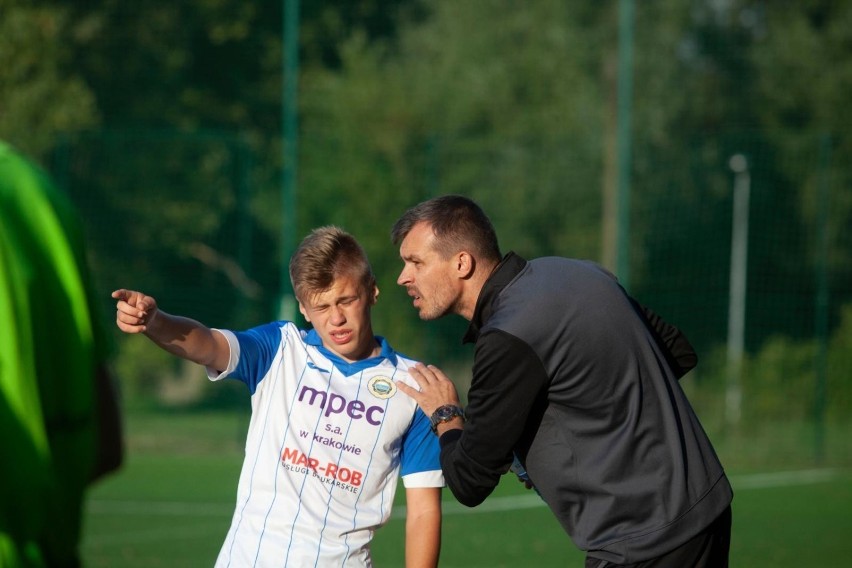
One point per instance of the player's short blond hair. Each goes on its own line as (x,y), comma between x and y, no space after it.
(322,257)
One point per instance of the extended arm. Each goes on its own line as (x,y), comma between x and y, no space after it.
(184,337)
(422,527)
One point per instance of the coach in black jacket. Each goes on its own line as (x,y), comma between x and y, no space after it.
(577,381)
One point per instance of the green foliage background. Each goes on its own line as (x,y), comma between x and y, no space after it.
(163,121)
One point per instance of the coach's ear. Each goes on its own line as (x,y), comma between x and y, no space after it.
(465,264)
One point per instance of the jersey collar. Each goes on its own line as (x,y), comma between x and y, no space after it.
(345,367)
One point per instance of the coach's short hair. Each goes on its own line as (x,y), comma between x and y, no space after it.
(458,224)
(324,255)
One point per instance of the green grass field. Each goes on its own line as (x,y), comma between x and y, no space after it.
(171,504)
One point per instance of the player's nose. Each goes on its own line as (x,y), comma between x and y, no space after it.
(338,316)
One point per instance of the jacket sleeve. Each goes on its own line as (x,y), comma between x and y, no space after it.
(508,379)
(678,350)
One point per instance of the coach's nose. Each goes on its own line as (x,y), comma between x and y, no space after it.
(403,279)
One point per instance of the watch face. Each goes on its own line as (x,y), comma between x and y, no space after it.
(446,412)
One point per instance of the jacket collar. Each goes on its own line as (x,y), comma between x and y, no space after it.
(504,273)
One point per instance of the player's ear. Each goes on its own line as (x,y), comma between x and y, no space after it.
(304,312)
(374,296)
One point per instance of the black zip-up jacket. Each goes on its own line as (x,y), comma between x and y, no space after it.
(581,382)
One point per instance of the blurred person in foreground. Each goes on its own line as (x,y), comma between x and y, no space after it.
(58,410)
(573,380)
(329,432)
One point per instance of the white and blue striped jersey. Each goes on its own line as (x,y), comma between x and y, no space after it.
(326,443)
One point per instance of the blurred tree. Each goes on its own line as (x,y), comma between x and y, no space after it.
(804,53)
(326,26)
(713,80)
(42,93)
(404,99)
(490,99)
(202,69)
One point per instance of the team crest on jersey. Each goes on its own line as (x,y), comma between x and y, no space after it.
(381,387)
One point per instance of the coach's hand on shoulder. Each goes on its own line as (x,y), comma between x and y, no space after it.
(135,312)
(436,389)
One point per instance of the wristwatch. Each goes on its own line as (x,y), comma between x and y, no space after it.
(445,414)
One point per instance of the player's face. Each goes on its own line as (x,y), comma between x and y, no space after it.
(429,279)
(341,317)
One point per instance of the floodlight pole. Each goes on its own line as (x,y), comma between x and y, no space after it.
(737,298)
(290,147)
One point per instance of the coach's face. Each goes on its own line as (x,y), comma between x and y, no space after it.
(428,278)
(341,317)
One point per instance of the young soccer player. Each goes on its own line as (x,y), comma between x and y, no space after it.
(330,431)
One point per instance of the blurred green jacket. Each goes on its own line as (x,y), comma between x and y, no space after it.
(50,348)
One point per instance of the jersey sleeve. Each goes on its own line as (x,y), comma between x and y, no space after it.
(217,375)
(252,353)
(420,455)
